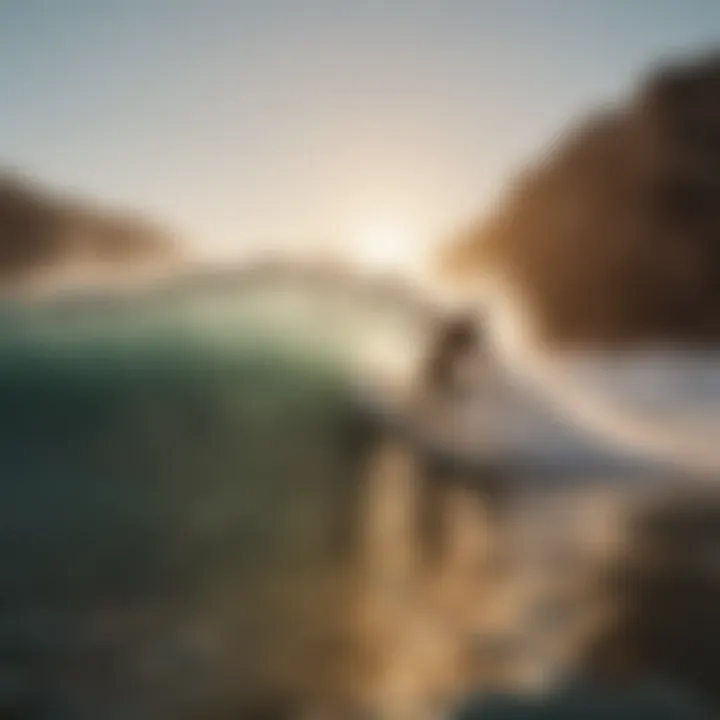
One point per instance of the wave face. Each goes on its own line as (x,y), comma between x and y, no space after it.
(171,475)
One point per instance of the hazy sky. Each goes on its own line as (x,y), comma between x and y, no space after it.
(249,121)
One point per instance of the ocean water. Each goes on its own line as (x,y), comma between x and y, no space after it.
(181,470)
(172,473)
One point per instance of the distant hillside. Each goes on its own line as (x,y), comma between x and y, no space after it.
(44,235)
(613,236)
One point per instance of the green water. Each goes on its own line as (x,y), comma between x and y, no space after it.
(583,701)
(169,469)
(166,472)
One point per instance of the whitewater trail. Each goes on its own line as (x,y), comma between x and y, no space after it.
(658,403)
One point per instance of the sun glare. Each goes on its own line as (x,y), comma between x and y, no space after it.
(384,247)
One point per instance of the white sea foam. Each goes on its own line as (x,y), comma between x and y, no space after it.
(659,402)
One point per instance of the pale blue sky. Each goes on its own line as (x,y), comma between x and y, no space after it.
(245,121)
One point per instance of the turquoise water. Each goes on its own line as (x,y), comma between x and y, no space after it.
(165,469)
(148,437)
(156,465)
(170,468)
